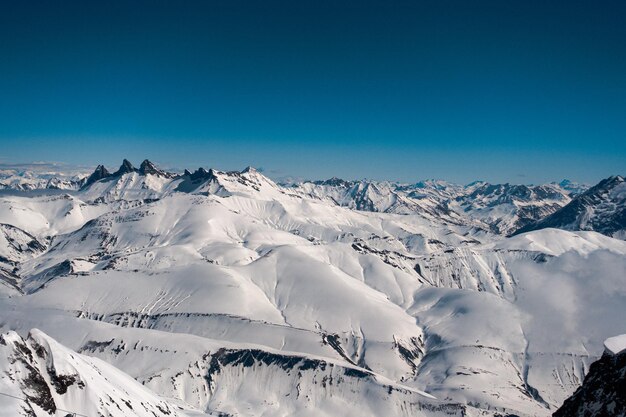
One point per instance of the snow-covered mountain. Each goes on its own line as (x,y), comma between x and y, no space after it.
(507,208)
(41,175)
(500,208)
(225,293)
(41,377)
(601,208)
(16,246)
(426,197)
(24,181)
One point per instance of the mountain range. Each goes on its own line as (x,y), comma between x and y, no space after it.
(500,208)
(137,291)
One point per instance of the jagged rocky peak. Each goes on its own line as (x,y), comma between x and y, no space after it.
(249,169)
(573,188)
(334,182)
(600,189)
(602,208)
(148,167)
(125,168)
(99,173)
(200,174)
(615,180)
(603,186)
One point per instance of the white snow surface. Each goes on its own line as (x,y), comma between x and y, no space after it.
(232,294)
(616,344)
(42,377)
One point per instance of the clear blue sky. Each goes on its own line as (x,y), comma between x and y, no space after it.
(520,91)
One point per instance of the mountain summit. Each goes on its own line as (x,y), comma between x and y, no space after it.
(125,168)
(147,167)
(602,208)
(99,173)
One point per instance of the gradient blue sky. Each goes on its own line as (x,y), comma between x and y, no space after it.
(520,91)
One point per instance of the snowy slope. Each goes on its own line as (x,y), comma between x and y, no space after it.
(602,208)
(426,198)
(36,176)
(616,344)
(205,286)
(244,379)
(501,208)
(40,377)
(507,208)
(30,181)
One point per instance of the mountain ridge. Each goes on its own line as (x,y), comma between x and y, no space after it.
(601,208)
(505,209)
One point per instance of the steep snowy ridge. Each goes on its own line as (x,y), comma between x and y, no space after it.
(228,293)
(601,208)
(16,246)
(41,377)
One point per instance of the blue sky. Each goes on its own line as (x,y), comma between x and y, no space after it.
(519,91)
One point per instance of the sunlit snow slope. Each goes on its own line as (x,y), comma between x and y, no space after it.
(223,292)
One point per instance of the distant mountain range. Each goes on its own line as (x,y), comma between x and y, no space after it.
(499,208)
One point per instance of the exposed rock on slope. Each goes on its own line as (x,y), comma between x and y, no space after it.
(602,208)
(39,377)
(501,208)
(16,246)
(603,392)
(99,173)
(507,207)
